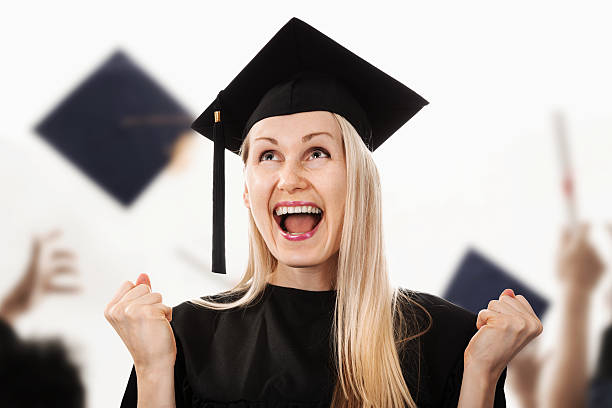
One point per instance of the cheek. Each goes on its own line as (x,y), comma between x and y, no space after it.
(260,187)
(333,186)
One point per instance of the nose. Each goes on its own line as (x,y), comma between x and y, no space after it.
(291,177)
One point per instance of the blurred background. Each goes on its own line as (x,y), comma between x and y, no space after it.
(478,167)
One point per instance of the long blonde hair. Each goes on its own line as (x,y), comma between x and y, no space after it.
(367,360)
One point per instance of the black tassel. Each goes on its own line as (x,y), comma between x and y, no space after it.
(218,238)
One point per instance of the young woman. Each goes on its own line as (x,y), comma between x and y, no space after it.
(314,322)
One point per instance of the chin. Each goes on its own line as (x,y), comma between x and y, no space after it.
(301,260)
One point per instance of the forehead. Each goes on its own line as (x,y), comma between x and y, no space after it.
(288,127)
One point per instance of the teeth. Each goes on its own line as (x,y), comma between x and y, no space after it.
(298,210)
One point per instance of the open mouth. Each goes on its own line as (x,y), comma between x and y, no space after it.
(298,220)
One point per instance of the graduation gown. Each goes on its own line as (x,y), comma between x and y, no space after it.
(276,353)
(600,389)
(37,373)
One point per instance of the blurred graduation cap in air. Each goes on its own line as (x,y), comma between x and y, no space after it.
(119,127)
(300,70)
(478,280)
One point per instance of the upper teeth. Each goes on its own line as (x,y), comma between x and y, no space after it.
(297,210)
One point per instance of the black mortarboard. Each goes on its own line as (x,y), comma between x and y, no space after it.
(118,127)
(478,280)
(300,70)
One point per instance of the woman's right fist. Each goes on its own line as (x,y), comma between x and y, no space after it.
(143,323)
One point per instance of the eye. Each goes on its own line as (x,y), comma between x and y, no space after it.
(268,155)
(319,153)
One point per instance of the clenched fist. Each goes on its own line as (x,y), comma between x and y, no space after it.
(143,323)
(504,328)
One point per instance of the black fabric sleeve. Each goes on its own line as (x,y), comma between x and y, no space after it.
(182,388)
(600,387)
(604,362)
(130,396)
(500,395)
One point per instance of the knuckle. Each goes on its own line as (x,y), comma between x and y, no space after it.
(107,313)
(537,327)
(131,311)
(492,303)
(157,297)
(113,312)
(144,287)
(520,325)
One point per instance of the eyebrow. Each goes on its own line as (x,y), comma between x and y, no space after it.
(305,138)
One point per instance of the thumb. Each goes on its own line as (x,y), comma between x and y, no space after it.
(143,278)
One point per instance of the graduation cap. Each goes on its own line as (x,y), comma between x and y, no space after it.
(300,70)
(478,280)
(118,126)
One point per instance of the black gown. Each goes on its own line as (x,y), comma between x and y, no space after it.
(37,372)
(276,353)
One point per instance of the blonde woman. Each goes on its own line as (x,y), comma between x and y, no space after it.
(314,322)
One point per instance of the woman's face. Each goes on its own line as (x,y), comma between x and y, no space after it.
(296,186)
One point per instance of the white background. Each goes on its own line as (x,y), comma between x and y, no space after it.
(477,166)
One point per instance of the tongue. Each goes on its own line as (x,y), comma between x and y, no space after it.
(297,223)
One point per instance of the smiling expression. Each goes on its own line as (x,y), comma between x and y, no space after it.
(296,165)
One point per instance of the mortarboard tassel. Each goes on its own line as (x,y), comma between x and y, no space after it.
(218,238)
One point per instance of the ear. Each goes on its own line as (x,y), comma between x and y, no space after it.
(245,197)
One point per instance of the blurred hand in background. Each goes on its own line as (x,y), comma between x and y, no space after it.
(579,266)
(46,263)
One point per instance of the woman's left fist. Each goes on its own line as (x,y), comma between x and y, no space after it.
(504,328)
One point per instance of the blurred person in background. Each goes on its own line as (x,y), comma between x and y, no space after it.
(579,269)
(38,373)
(524,374)
(600,387)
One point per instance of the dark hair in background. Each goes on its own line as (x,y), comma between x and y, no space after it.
(39,373)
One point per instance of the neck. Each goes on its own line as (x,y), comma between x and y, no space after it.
(316,277)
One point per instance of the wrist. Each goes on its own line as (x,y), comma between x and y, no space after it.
(483,374)
(477,386)
(155,387)
(157,371)
(576,299)
(574,290)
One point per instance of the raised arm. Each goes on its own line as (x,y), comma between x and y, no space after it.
(579,268)
(504,328)
(143,323)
